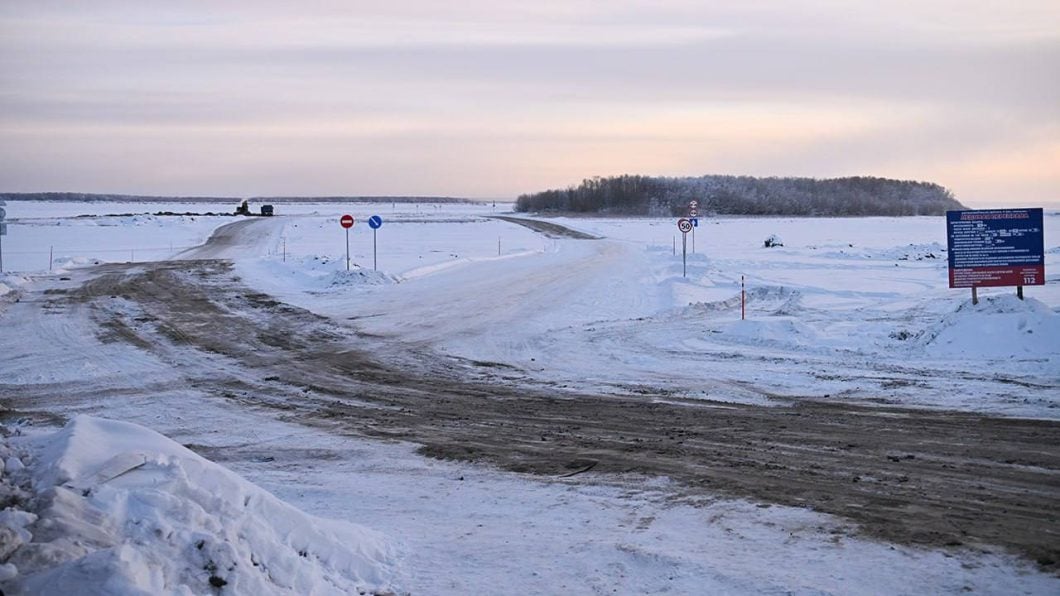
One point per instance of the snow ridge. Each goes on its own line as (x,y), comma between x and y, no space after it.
(125,510)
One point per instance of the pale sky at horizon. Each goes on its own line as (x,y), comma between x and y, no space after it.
(490,99)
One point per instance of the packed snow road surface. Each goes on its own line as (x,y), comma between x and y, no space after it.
(934,478)
(617,405)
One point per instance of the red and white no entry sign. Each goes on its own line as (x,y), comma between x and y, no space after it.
(693,204)
(347,221)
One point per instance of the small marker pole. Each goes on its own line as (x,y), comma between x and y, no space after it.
(743,300)
(498,246)
(1019,292)
(975,295)
(51,253)
(675,246)
(284,249)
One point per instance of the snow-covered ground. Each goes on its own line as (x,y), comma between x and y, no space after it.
(853,309)
(849,309)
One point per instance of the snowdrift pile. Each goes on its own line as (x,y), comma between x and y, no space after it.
(316,274)
(999,327)
(112,507)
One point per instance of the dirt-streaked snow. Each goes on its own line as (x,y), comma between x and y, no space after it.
(850,309)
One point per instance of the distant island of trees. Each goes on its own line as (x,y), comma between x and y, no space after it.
(744,195)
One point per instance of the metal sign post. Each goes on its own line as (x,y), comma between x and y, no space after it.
(693,213)
(347,222)
(684,255)
(375,222)
(685,226)
(3,232)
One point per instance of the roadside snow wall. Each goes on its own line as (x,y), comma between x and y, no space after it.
(104,507)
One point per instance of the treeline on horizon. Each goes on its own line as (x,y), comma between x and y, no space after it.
(744,195)
(80,197)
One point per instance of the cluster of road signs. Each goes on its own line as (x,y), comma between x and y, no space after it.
(375,222)
(686,225)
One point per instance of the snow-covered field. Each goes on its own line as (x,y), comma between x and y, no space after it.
(847,309)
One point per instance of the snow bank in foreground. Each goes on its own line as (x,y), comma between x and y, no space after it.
(112,507)
(997,327)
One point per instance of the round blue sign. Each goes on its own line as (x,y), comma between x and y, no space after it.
(375,222)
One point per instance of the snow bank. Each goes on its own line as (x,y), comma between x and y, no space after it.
(61,264)
(312,274)
(997,327)
(9,282)
(112,507)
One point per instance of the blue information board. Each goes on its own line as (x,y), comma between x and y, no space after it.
(996,247)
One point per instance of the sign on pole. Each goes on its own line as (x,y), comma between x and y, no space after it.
(3,232)
(693,214)
(347,222)
(996,247)
(375,222)
(685,226)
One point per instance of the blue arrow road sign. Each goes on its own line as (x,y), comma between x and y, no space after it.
(375,222)
(695,221)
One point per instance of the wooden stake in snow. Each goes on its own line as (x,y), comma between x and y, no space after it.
(743,301)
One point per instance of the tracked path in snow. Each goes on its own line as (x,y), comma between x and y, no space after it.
(940,479)
(552,230)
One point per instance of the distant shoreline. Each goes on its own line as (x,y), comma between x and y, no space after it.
(117,198)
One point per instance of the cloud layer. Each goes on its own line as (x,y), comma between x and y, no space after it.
(491,99)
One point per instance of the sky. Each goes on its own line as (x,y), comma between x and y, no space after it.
(491,98)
